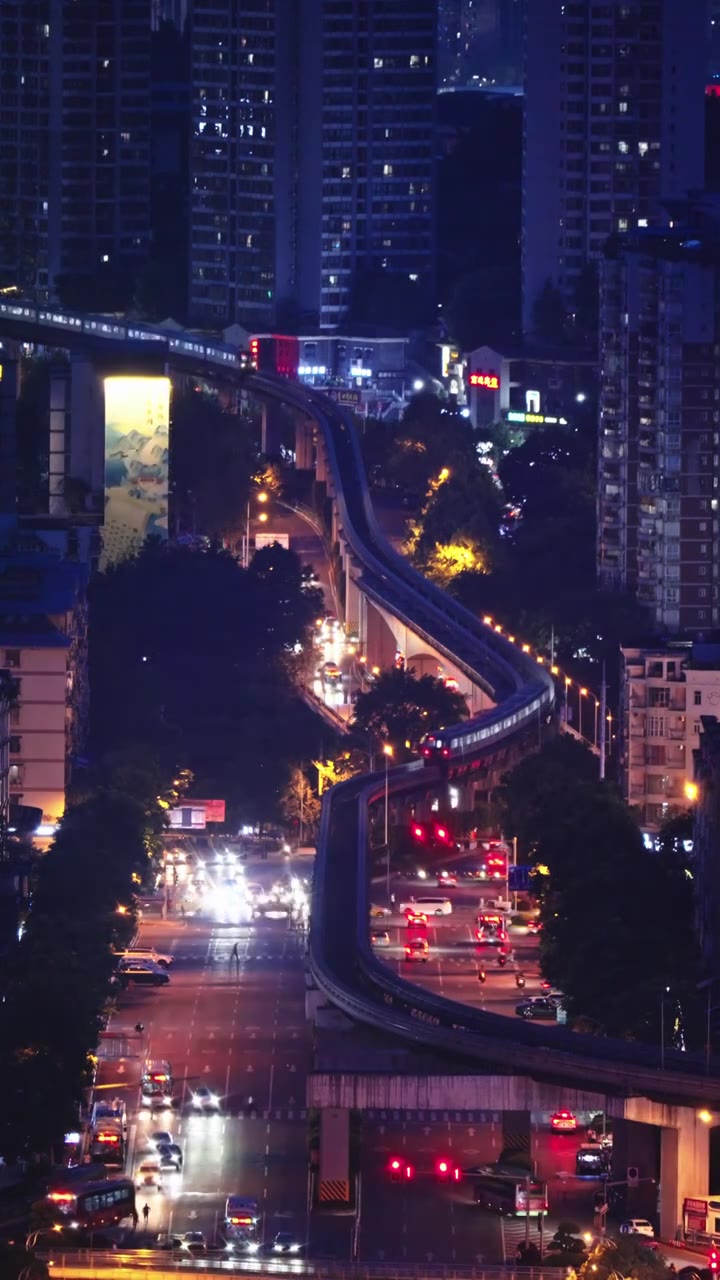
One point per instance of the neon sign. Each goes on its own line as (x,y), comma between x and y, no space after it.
(489,380)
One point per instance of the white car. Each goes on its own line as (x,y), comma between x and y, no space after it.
(380,938)
(149,1177)
(637,1227)
(203,1099)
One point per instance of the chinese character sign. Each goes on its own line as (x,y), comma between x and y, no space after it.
(489,380)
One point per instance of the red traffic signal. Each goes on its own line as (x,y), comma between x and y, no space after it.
(409,1172)
(418,832)
(443,1168)
(457,1173)
(400,1169)
(714,1260)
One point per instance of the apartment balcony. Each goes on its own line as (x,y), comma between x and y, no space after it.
(675,735)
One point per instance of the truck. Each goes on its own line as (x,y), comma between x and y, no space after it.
(242,1222)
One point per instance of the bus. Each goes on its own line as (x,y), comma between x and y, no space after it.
(509,1191)
(242,1217)
(107,1145)
(86,1205)
(156,1083)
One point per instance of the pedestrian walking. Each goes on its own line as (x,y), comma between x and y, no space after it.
(146,1214)
(135,1218)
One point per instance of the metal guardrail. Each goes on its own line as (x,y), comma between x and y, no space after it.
(96,1264)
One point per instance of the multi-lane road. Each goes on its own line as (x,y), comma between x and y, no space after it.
(240,1028)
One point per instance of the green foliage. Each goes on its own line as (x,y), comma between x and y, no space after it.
(17,1263)
(214,457)
(400,708)
(627,1257)
(617,919)
(194,657)
(458,526)
(565,1248)
(59,978)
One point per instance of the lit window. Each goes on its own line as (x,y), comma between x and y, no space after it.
(387,171)
(622,224)
(623,148)
(377,63)
(414,60)
(332,279)
(622,107)
(643,148)
(346,171)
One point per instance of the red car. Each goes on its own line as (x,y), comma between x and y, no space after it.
(416,919)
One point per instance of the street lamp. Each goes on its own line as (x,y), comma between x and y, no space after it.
(691,791)
(388,753)
(261,497)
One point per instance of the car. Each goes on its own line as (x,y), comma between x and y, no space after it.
(416,919)
(538,1007)
(563,1122)
(148,1176)
(194,1242)
(170,1155)
(637,1227)
(417,949)
(534,926)
(142,973)
(447,878)
(161,958)
(379,913)
(160,1138)
(286,1242)
(380,938)
(330,673)
(168,1243)
(203,1099)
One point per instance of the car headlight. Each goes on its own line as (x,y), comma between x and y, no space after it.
(294,1248)
(277,1248)
(253,1247)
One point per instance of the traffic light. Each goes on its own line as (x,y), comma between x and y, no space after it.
(443,1167)
(457,1173)
(418,831)
(713,1260)
(633,1175)
(409,1172)
(395,1166)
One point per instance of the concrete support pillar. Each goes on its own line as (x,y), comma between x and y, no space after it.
(87,428)
(684,1156)
(269,429)
(321,470)
(303,444)
(352,600)
(9,392)
(59,442)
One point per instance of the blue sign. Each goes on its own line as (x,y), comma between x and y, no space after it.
(519,879)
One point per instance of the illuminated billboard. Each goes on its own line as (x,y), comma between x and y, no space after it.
(137,431)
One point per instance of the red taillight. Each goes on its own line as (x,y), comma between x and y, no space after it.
(445,751)
(61,1197)
(108,1137)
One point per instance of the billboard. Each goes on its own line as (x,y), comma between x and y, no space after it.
(188,818)
(196,813)
(137,435)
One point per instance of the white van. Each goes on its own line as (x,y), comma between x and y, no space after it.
(429,906)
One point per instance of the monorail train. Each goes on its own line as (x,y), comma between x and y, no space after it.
(459,740)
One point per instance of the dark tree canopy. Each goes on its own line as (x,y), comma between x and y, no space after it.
(400,708)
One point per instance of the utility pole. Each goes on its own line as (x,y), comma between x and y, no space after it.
(603,723)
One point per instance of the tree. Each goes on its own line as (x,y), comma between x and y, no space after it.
(458,528)
(300,805)
(214,457)
(565,1248)
(626,1257)
(400,708)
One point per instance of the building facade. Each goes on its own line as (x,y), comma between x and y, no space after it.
(706,844)
(665,693)
(312,154)
(658,456)
(43,645)
(614,117)
(74,140)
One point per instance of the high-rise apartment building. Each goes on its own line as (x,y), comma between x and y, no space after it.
(480,41)
(659,443)
(614,111)
(74,140)
(312,153)
(665,693)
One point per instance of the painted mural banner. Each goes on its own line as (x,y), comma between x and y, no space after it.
(137,440)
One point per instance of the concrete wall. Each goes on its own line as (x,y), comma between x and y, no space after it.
(451,1092)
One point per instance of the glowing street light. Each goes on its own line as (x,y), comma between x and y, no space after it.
(692,791)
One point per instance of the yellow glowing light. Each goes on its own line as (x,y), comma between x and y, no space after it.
(362,659)
(262,496)
(583,692)
(555,671)
(498,627)
(263,517)
(705,1116)
(511,639)
(376,671)
(487,620)
(526,648)
(387,749)
(691,791)
(539,658)
(542,869)
(122,911)
(444,474)
(568,682)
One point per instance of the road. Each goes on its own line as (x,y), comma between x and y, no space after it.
(241,1029)
(455,958)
